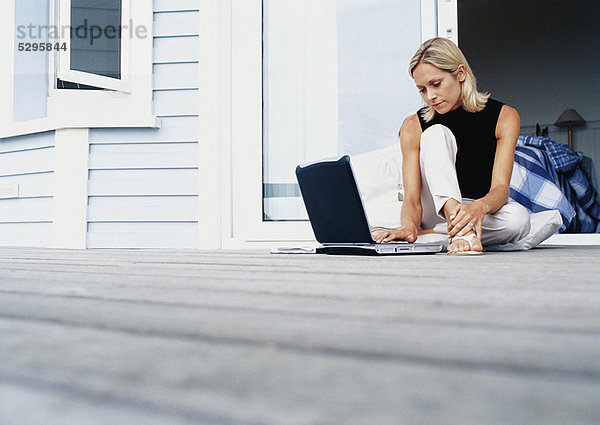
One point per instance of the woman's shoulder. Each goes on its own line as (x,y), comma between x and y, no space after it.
(412,124)
(507,112)
(509,122)
(501,108)
(410,130)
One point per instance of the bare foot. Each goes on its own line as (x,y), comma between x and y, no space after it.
(467,244)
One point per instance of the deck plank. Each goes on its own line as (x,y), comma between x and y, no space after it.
(244,337)
(232,383)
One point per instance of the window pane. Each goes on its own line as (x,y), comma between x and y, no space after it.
(96,37)
(30,69)
(335,82)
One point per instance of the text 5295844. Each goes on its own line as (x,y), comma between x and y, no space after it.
(41,47)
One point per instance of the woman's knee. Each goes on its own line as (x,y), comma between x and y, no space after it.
(436,133)
(518,222)
(438,139)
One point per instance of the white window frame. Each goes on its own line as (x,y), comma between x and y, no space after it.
(244,205)
(64,71)
(130,106)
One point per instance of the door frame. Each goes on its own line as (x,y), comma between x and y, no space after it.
(233,124)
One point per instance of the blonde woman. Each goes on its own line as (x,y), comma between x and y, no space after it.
(457,158)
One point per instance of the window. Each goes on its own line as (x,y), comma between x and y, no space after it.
(97,46)
(96,37)
(75,64)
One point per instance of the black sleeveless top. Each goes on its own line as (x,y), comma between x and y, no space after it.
(475,134)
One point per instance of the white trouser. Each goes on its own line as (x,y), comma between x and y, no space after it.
(439,183)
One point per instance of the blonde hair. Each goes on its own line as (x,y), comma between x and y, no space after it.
(445,55)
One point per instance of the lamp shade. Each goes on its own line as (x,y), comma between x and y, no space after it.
(569,117)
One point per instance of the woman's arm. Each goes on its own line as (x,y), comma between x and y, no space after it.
(471,216)
(410,140)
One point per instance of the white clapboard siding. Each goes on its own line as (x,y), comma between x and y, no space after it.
(176,50)
(38,234)
(36,185)
(175,5)
(24,143)
(143,208)
(156,155)
(20,210)
(176,102)
(27,163)
(143,183)
(116,187)
(172,129)
(148,235)
(174,24)
(176,76)
(161,183)
(149,174)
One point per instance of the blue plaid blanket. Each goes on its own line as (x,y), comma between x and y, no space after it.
(547,175)
(532,186)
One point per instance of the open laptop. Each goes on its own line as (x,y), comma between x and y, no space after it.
(337,214)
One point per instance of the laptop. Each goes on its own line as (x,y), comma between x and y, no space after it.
(337,214)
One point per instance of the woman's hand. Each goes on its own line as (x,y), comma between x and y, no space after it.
(389,235)
(467,217)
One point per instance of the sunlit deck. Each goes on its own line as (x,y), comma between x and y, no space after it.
(245,337)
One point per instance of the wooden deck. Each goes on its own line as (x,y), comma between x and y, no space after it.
(189,337)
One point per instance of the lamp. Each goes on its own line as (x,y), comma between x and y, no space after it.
(570,118)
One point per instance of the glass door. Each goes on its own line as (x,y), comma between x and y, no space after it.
(335,82)
(315,79)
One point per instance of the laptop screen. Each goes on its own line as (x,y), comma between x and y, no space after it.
(333,202)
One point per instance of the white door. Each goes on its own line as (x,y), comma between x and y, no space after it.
(314,79)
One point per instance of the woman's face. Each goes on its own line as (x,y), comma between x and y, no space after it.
(440,89)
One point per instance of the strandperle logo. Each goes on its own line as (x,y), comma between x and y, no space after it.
(92,33)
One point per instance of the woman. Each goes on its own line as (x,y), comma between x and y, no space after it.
(458,154)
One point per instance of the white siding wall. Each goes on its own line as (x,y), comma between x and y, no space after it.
(27,162)
(143,183)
